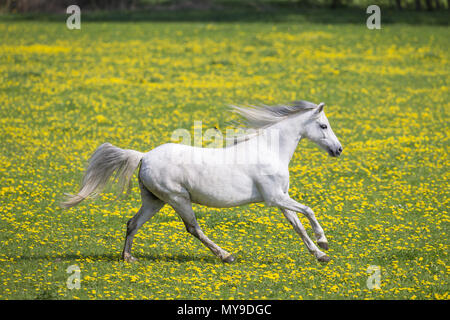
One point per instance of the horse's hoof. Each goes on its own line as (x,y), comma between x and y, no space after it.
(324,258)
(228,259)
(323,245)
(129,258)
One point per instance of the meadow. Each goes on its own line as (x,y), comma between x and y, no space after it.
(383,203)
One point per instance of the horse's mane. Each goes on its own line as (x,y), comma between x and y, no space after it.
(260,117)
(263,116)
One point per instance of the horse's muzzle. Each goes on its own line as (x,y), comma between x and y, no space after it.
(335,152)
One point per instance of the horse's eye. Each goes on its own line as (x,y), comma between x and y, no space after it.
(323,126)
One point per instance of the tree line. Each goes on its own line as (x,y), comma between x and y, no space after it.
(58,5)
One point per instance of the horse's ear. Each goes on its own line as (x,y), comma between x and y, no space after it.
(319,108)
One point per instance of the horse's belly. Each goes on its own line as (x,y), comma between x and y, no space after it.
(222,199)
(225,191)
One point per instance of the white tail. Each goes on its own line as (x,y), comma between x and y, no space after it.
(106,160)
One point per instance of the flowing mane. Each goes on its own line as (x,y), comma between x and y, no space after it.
(260,117)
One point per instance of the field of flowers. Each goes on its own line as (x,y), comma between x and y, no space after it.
(383,203)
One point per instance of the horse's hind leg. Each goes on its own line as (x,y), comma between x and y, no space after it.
(183,207)
(150,205)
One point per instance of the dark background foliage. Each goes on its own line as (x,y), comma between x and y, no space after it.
(261,5)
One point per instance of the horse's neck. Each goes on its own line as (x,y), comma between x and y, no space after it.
(289,137)
(286,133)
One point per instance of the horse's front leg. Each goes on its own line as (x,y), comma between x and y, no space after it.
(286,202)
(291,216)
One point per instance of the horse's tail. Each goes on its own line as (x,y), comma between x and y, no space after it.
(106,160)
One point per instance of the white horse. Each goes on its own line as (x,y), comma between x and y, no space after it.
(180,175)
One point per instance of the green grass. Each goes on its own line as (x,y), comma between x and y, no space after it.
(383,203)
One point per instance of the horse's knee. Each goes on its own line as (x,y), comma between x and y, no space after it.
(131,226)
(308,212)
(192,230)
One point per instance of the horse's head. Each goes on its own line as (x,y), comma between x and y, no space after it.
(318,129)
